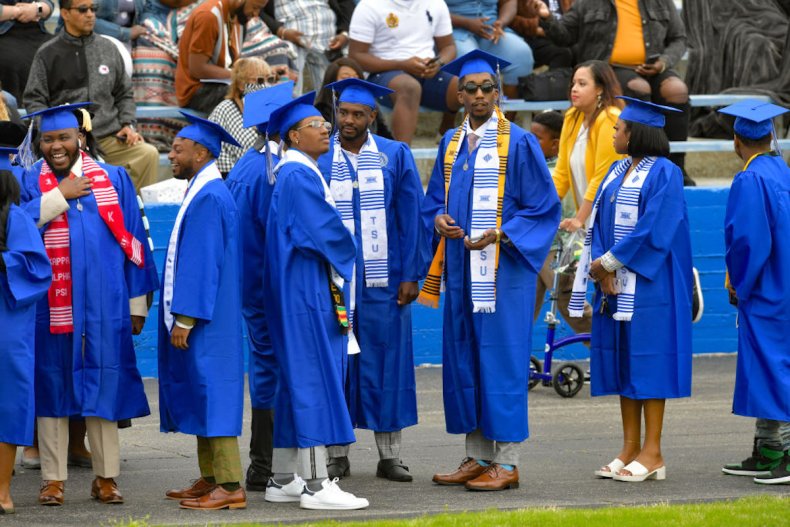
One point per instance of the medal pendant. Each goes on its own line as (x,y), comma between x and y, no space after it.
(466,166)
(79,206)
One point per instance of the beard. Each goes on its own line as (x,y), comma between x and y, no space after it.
(66,171)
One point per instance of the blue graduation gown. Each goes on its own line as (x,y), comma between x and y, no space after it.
(304,236)
(103,380)
(485,356)
(756,234)
(26,280)
(650,356)
(249,184)
(382,392)
(201,389)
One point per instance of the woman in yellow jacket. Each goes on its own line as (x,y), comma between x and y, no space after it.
(586,153)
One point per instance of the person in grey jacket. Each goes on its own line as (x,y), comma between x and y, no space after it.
(79,65)
(641,39)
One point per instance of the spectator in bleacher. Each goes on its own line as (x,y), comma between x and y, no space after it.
(249,75)
(77,65)
(317,29)
(484,25)
(403,46)
(585,155)
(22,32)
(209,45)
(544,51)
(119,19)
(547,127)
(641,40)
(345,68)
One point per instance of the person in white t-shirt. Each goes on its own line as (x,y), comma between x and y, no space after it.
(403,44)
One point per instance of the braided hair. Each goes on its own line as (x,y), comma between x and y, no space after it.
(9,193)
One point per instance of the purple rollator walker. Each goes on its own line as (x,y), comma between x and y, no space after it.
(568,378)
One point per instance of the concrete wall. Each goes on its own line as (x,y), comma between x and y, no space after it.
(715,333)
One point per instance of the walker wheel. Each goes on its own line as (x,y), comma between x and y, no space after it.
(568,380)
(534,367)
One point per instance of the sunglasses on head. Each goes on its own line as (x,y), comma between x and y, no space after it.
(84,9)
(326,125)
(471,87)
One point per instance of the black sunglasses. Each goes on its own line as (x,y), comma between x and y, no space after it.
(84,9)
(271,79)
(471,87)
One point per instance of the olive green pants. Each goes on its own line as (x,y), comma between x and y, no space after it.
(219,457)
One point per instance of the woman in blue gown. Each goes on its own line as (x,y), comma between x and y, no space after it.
(25,275)
(641,251)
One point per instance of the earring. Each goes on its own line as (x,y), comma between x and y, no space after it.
(79,143)
(599,101)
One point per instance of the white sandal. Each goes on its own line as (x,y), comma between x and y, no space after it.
(614,467)
(640,473)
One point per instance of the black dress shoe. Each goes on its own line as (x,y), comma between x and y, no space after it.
(393,470)
(338,467)
(256,481)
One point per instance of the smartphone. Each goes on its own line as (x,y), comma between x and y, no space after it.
(434,60)
(121,138)
(652,58)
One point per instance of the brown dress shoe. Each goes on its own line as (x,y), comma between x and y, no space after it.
(106,490)
(218,498)
(468,470)
(200,487)
(495,478)
(51,493)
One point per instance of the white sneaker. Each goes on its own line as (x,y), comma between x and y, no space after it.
(289,493)
(331,497)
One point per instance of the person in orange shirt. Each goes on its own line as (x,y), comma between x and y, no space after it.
(586,153)
(642,40)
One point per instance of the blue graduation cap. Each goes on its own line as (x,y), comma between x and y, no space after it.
(358,91)
(58,118)
(753,118)
(476,61)
(207,133)
(287,115)
(259,105)
(644,112)
(11,136)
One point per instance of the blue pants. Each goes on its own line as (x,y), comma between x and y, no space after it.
(510,47)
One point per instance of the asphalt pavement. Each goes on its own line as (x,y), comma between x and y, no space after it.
(570,438)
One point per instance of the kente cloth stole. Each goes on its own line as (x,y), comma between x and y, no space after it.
(626,217)
(487,198)
(57,241)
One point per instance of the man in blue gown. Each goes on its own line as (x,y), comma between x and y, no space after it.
(102,272)
(756,234)
(492,208)
(201,363)
(249,182)
(378,191)
(309,257)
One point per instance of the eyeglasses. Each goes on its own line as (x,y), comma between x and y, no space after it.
(271,79)
(471,87)
(84,9)
(326,125)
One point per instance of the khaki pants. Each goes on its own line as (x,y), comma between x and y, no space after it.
(53,446)
(564,289)
(141,161)
(219,458)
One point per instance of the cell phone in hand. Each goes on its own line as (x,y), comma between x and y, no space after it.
(121,138)
(434,60)
(652,58)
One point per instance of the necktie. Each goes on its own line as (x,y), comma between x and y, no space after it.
(473,139)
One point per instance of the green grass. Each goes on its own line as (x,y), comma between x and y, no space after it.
(761,511)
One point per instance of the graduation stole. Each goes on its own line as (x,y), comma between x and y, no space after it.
(57,240)
(626,215)
(372,216)
(489,176)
